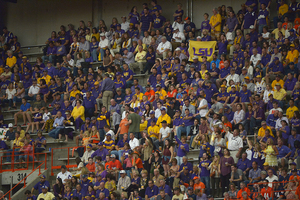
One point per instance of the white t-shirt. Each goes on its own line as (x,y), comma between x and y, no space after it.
(265,35)
(10,93)
(255,58)
(46,116)
(134,143)
(234,143)
(203,112)
(33,90)
(66,175)
(259,87)
(266,95)
(164,131)
(163,46)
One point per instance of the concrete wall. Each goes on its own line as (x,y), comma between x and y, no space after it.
(33,20)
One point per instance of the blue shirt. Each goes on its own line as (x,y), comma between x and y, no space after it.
(263,20)
(204,170)
(25,107)
(224,72)
(290,84)
(85,185)
(232,96)
(271,120)
(62,72)
(223,94)
(243,165)
(89,102)
(167,190)
(245,96)
(181,152)
(187,165)
(77,194)
(146,20)
(283,151)
(249,19)
(102,153)
(127,74)
(151,191)
(39,185)
(105,191)
(158,21)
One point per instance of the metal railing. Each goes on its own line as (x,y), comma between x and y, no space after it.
(9,193)
(27,162)
(68,158)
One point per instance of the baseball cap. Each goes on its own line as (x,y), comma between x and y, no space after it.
(251,27)
(292,45)
(196,177)
(163,109)
(292,30)
(63,167)
(265,164)
(96,83)
(244,68)
(42,176)
(293,163)
(6,67)
(233,86)
(164,122)
(136,109)
(195,57)
(247,77)
(112,155)
(88,119)
(100,144)
(158,85)
(147,86)
(10,125)
(122,172)
(102,34)
(277,84)
(26,74)
(20,52)
(45,70)
(118,73)
(177,49)
(93,118)
(152,112)
(184,92)
(131,24)
(108,134)
(24,57)
(89,146)
(190,188)
(294,170)
(223,86)
(84,176)
(258,76)
(44,187)
(187,18)
(270,94)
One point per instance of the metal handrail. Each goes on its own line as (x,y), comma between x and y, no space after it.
(68,161)
(24,179)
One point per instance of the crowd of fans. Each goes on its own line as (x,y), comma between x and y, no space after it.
(240,110)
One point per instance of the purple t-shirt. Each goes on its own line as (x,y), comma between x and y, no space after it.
(204,170)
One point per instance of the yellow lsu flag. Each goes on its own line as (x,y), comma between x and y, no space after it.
(198,48)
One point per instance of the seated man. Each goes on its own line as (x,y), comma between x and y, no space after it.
(243,189)
(23,109)
(58,124)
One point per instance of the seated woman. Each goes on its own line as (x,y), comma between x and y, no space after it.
(94,137)
(40,144)
(78,114)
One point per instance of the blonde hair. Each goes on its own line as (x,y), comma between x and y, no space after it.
(214,162)
(144,172)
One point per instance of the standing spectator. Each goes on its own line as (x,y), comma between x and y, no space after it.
(235,144)
(146,22)
(107,89)
(225,168)
(215,24)
(134,121)
(249,20)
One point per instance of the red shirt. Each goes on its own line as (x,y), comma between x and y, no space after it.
(91,167)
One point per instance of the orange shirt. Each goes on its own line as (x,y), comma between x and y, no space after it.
(284,25)
(123,128)
(199,186)
(170,94)
(266,193)
(239,194)
(292,178)
(245,199)
(115,165)
(91,167)
(138,163)
(150,94)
